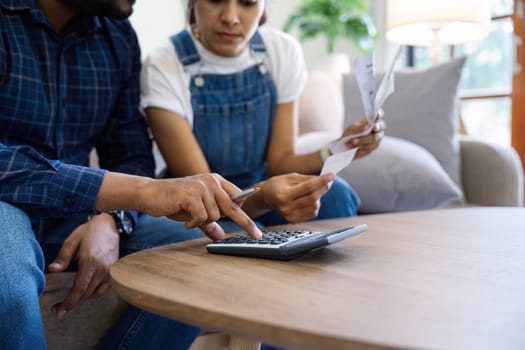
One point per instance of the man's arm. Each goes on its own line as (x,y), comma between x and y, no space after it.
(52,188)
(46,188)
(198,200)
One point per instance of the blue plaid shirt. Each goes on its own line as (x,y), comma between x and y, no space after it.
(60,96)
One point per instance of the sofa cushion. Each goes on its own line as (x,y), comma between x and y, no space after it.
(321,117)
(400,175)
(82,327)
(422,109)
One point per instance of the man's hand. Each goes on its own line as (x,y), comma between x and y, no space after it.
(296,197)
(95,245)
(198,200)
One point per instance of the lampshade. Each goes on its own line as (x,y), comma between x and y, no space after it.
(425,22)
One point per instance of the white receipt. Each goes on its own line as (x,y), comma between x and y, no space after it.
(364,69)
(372,98)
(337,162)
(386,88)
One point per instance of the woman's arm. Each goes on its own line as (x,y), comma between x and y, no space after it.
(176,142)
(282,158)
(183,154)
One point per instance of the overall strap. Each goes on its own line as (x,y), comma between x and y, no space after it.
(185,48)
(257,43)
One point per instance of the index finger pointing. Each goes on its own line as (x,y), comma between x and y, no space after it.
(236,214)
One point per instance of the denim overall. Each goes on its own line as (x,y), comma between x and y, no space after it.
(233,113)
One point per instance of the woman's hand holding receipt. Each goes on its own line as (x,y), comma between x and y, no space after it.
(366,133)
(359,139)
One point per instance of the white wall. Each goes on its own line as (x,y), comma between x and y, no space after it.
(155,20)
(315,50)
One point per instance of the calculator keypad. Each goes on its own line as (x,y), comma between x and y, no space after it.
(269,238)
(283,244)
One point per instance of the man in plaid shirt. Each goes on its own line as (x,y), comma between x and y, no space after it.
(69,82)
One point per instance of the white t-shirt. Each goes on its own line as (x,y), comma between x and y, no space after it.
(165,82)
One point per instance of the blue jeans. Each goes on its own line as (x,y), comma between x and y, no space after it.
(21,282)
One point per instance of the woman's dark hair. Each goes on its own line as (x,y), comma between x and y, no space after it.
(190,14)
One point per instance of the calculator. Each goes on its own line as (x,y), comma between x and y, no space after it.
(282,244)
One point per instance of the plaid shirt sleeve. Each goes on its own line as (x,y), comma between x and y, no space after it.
(43,187)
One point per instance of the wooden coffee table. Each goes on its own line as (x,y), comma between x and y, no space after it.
(439,279)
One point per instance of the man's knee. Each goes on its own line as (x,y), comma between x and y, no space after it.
(22,276)
(12,216)
(20,254)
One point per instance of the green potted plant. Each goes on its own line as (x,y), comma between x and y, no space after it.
(333,19)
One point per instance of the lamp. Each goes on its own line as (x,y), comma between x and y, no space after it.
(437,22)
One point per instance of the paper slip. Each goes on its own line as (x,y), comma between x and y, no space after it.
(337,162)
(364,74)
(372,99)
(386,88)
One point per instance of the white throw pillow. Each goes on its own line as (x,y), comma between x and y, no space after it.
(326,116)
(422,109)
(400,175)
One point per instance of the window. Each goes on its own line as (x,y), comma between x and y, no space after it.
(486,86)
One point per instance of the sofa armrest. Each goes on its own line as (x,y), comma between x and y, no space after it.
(491,174)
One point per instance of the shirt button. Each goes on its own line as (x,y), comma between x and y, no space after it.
(69,202)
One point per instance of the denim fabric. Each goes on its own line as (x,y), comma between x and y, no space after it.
(21,282)
(233,118)
(141,330)
(233,114)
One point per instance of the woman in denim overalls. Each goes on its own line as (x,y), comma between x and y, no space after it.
(238,128)
(232,122)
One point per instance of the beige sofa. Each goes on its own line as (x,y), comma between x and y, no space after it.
(321,120)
